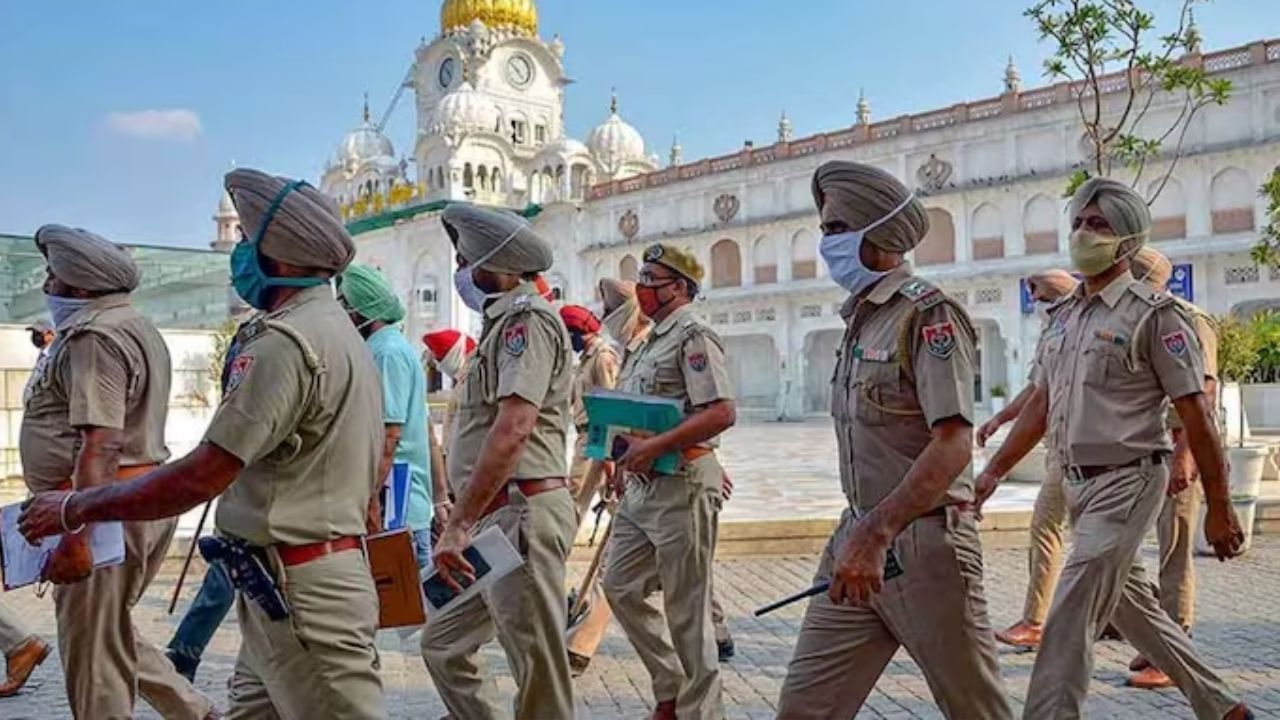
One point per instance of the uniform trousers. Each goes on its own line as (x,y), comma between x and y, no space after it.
(525,611)
(1175,531)
(320,662)
(12,632)
(936,610)
(106,661)
(1045,554)
(1102,580)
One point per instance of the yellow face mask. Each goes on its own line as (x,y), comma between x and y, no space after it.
(1094,253)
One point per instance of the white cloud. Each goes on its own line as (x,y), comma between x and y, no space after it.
(159,124)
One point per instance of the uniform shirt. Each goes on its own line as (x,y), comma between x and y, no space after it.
(905,363)
(1207,334)
(524,351)
(597,369)
(1109,389)
(404,403)
(680,358)
(108,367)
(303,412)
(1045,352)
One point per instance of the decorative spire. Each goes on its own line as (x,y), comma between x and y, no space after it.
(1193,33)
(1012,79)
(677,152)
(784,128)
(864,108)
(613,101)
(366,107)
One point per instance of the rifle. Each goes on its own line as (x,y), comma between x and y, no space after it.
(191,551)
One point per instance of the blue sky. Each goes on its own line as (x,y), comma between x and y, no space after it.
(277,84)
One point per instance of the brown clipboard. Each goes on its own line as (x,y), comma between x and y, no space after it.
(395,574)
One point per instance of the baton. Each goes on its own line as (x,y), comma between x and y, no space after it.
(191,550)
(815,590)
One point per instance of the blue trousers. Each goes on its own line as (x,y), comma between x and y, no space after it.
(207,611)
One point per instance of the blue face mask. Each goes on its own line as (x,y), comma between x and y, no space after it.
(62,308)
(842,252)
(579,342)
(465,283)
(251,283)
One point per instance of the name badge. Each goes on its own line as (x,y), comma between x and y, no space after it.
(872,354)
(1111,337)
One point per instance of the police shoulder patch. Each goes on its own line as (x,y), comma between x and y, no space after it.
(515,339)
(1175,343)
(237,372)
(940,339)
(698,361)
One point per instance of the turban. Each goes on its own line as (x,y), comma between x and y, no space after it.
(615,293)
(496,240)
(1053,283)
(864,196)
(1125,211)
(306,230)
(41,326)
(86,261)
(579,319)
(449,349)
(677,261)
(1152,267)
(367,292)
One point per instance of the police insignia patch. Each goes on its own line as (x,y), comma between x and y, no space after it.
(698,362)
(940,339)
(237,372)
(515,339)
(1175,343)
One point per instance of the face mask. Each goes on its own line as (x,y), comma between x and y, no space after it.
(1093,253)
(451,363)
(842,253)
(647,297)
(62,308)
(465,284)
(251,283)
(579,342)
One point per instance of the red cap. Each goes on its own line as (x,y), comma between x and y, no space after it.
(441,342)
(579,319)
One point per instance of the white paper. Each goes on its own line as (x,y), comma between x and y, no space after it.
(493,546)
(24,563)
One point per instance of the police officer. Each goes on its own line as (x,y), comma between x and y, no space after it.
(94,417)
(1175,527)
(507,467)
(1123,350)
(1049,516)
(295,445)
(902,399)
(597,369)
(664,533)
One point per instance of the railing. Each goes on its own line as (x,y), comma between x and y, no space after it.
(1216,62)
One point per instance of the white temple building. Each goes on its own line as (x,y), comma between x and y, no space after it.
(490,129)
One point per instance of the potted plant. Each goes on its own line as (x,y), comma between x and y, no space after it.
(998,398)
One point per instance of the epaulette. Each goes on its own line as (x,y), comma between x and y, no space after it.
(522,302)
(1149,295)
(251,329)
(309,355)
(922,293)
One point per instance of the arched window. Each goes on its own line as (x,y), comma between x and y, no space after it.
(1040,226)
(601,272)
(425,296)
(483,176)
(628,269)
(1168,212)
(468,177)
(726,264)
(578,181)
(495,180)
(764,259)
(939,245)
(804,255)
(1232,197)
(987,233)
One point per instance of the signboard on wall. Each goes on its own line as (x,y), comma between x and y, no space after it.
(1181,284)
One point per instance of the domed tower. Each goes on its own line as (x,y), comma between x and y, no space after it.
(618,147)
(363,167)
(227,224)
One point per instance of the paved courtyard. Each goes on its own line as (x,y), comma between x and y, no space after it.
(1237,631)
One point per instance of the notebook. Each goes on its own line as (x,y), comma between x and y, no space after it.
(493,558)
(23,563)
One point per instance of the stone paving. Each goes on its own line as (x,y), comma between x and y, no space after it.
(1237,632)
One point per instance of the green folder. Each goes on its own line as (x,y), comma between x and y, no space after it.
(611,413)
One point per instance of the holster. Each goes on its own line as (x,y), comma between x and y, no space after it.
(245,565)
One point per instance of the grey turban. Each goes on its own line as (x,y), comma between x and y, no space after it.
(616,292)
(505,241)
(1054,283)
(306,230)
(862,195)
(87,261)
(1152,267)
(1125,210)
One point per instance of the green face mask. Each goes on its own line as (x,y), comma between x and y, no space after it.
(1093,253)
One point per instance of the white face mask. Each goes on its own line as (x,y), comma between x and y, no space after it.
(842,253)
(465,282)
(62,308)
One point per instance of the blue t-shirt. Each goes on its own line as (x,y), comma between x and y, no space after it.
(404,403)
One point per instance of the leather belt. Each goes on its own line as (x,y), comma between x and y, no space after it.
(1080,473)
(527,488)
(122,474)
(291,555)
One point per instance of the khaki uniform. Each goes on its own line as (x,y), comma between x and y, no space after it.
(1104,382)
(303,411)
(664,533)
(524,352)
(13,631)
(905,363)
(1176,526)
(597,369)
(108,368)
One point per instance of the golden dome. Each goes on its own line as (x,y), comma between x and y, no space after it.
(520,15)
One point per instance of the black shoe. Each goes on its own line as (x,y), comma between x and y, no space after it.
(578,663)
(726,650)
(185,666)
